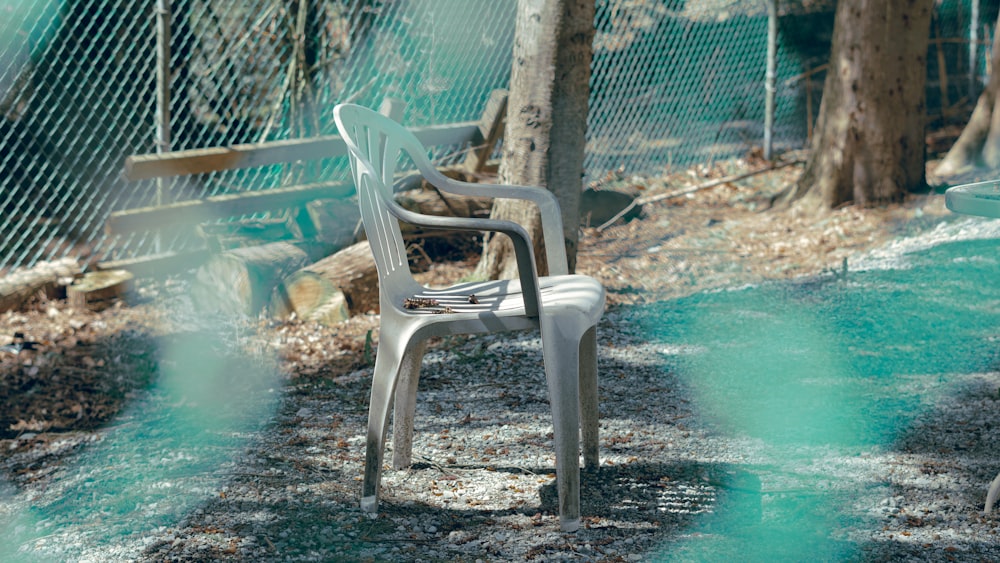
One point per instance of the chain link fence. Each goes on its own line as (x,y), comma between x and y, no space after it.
(675,82)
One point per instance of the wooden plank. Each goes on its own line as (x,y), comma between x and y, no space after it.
(393,108)
(193,212)
(157,265)
(444,135)
(200,161)
(491,126)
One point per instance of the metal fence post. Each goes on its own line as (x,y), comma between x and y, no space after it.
(769,76)
(973,49)
(162,92)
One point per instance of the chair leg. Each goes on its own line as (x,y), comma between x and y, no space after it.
(588,398)
(561,354)
(387,363)
(991,495)
(404,405)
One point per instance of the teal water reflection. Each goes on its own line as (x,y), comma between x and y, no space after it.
(841,363)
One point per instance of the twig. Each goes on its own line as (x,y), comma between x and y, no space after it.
(253,30)
(423,252)
(692,189)
(457,153)
(435,464)
(369,539)
(664,250)
(360,91)
(445,200)
(455,468)
(279,100)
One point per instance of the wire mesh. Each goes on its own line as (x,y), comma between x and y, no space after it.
(674,82)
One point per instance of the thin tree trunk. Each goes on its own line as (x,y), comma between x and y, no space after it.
(570,99)
(979,144)
(546,123)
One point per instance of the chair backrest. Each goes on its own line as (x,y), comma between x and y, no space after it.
(375,144)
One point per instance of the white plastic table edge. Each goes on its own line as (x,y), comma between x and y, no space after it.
(981,198)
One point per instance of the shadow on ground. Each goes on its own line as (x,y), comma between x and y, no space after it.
(177,416)
(842,363)
(640,502)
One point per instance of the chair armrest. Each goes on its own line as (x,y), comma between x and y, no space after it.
(548,209)
(523,252)
(399,139)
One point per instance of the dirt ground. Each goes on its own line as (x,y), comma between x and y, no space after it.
(64,373)
(725,236)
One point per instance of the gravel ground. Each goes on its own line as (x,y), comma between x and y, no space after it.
(227,457)
(671,485)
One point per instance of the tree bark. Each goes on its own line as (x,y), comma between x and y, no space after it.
(99,290)
(242,281)
(869,143)
(313,297)
(979,144)
(546,124)
(350,271)
(19,286)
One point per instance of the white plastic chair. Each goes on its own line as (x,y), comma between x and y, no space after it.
(564,307)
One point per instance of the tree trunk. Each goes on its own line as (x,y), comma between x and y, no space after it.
(546,123)
(350,271)
(99,290)
(979,144)
(869,143)
(21,285)
(313,297)
(242,281)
